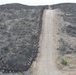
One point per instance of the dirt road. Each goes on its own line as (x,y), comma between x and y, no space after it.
(48,51)
(45,64)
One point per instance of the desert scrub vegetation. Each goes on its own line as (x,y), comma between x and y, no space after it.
(64,62)
(61,63)
(20,28)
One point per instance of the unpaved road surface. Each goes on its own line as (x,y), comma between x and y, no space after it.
(47,48)
(45,64)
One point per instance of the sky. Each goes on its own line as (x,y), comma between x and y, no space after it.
(37,2)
